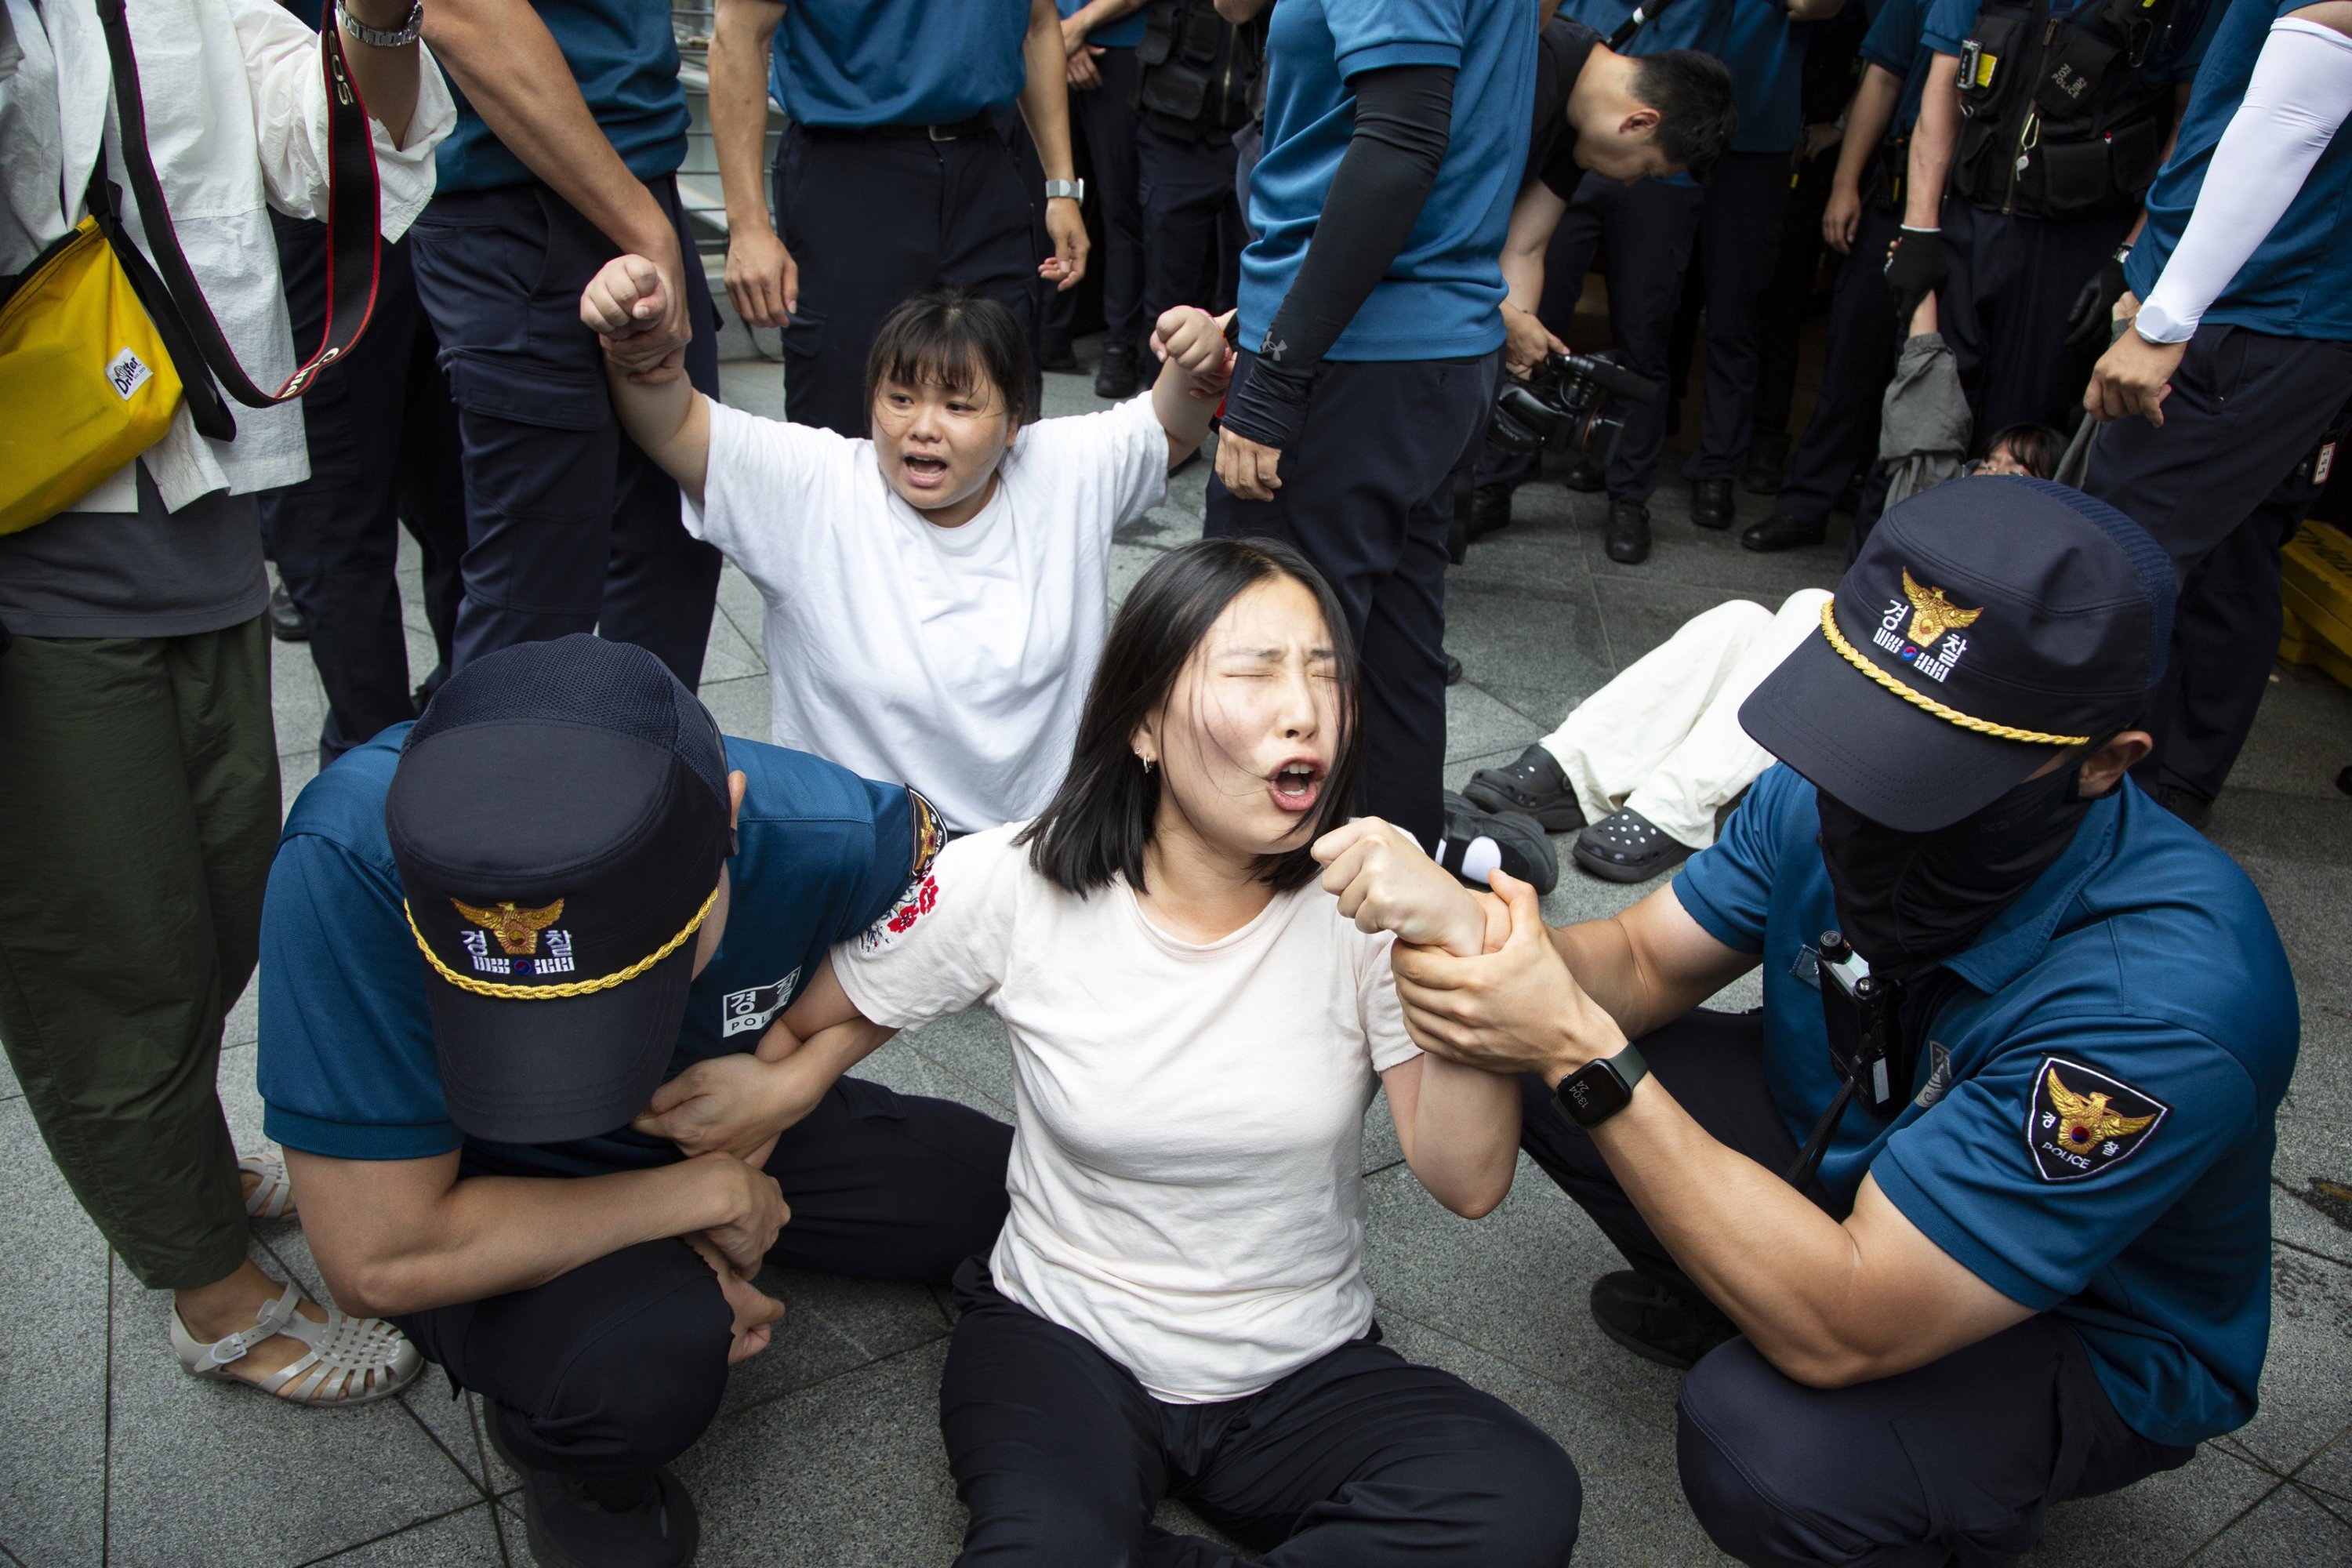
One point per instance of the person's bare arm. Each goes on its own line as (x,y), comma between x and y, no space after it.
(386,79)
(1867,120)
(658,405)
(1934,137)
(1459,1129)
(1196,366)
(1534,217)
(1814,10)
(403,1236)
(504,60)
(763,282)
(1080,25)
(1239,12)
(1046,109)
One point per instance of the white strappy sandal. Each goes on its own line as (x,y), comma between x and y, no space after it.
(350,1361)
(273,1194)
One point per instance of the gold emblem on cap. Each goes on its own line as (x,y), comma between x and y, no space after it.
(517,930)
(1932,614)
(2088,1115)
(1920,700)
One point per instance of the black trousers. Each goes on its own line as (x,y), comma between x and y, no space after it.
(1358,1460)
(570,527)
(382,436)
(2013,279)
(1105,117)
(1739,241)
(1367,496)
(1864,336)
(1192,226)
(2222,486)
(1958,1461)
(1787,299)
(871,219)
(618,1365)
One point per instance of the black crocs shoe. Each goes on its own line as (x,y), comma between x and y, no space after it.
(1534,785)
(1781,531)
(1626,846)
(645,1520)
(1478,841)
(1656,1322)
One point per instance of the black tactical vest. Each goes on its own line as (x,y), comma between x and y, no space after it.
(2059,114)
(1200,75)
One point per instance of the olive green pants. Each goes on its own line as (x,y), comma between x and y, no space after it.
(138,812)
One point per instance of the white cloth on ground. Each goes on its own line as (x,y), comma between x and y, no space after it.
(953,659)
(1663,738)
(1185,1178)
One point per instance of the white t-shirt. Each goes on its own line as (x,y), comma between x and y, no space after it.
(953,659)
(1185,1182)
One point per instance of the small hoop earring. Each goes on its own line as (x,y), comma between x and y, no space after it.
(1146,762)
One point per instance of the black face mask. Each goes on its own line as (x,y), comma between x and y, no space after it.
(1907,899)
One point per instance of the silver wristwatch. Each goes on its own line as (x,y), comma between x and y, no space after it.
(376,37)
(1074,189)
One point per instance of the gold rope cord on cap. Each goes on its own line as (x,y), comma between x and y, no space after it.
(506,991)
(1950,715)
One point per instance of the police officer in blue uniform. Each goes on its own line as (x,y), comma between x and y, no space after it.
(1973,1216)
(2228,392)
(1863,216)
(571,127)
(526,967)
(1199,86)
(893,176)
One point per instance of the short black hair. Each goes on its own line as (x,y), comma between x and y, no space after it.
(2035,448)
(1692,93)
(949,338)
(1103,815)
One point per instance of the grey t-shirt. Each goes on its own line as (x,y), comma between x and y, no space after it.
(148,573)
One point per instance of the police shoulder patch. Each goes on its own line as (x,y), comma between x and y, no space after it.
(2080,1122)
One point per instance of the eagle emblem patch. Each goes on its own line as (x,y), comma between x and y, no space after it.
(1931,616)
(2080,1120)
(518,930)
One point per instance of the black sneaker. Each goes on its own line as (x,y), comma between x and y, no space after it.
(1478,841)
(1626,846)
(1587,477)
(1711,505)
(284,620)
(1533,785)
(1656,1322)
(1781,531)
(1490,509)
(1120,374)
(1760,474)
(645,1520)
(1628,538)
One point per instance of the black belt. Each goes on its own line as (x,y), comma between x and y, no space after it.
(982,124)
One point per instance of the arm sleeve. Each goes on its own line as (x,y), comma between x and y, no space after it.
(289,120)
(2298,97)
(944,944)
(1404,121)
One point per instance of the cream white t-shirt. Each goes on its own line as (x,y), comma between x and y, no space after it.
(1185,1182)
(953,659)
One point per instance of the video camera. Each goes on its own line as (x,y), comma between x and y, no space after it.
(1564,406)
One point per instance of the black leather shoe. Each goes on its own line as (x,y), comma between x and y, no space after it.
(1628,539)
(1119,374)
(1626,846)
(1490,509)
(1453,670)
(1534,784)
(645,1520)
(1478,841)
(1587,477)
(1781,531)
(1760,474)
(1711,503)
(284,620)
(1656,1322)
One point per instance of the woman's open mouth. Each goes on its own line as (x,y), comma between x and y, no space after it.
(925,472)
(1295,785)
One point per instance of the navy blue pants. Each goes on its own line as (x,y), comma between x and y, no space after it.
(2222,486)
(1368,496)
(619,1365)
(1193,227)
(1864,336)
(1105,117)
(1957,1461)
(1739,242)
(570,527)
(1358,1460)
(383,436)
(872,217)
(2013,279)
(1787,300)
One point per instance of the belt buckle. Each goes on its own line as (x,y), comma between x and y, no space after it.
(933,131)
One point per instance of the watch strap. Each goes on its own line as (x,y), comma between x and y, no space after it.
(1628,1067)
(1076,190)
(410,28)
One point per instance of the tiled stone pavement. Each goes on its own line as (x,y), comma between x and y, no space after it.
(827,1454)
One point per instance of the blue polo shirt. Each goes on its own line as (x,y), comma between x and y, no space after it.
(1766,55)
(1701,25)
(623,56)
(346,1062)
(2298,282)
(2142,968)
(1123,34)
(1442,296)
(1895,44)
(849,63)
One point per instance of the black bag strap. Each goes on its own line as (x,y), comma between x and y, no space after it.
(354,264)
(210,415)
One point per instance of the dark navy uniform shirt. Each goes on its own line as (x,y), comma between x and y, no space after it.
(347,1068)
(2092,1118)
(623,56)
(851,63)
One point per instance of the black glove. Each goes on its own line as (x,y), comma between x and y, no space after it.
(1916,268)
(1267,402)
(2092,318)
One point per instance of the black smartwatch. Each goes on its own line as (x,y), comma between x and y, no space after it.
(1599,1090)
